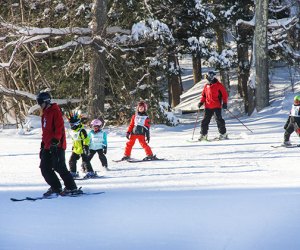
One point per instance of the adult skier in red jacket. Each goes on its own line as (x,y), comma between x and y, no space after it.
(53,147)
(214,97)
(138,129)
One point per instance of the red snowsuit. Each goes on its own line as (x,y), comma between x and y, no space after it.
(138,129)
(53,127)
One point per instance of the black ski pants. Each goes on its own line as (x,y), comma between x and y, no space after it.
(292,124)
(52,162)
(101,156)
(208,113)
(86,165)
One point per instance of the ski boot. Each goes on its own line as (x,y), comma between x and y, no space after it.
(150,158)
(223,136)
(90,175)
(202,138)
(74,174)
(71,192)
(52,192)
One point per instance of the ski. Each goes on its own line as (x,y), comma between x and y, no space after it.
(286,146)
(137,160)
(90,178)
(214,139)
(132,160)
(53,197)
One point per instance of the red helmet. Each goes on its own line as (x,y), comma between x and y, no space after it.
(143,104)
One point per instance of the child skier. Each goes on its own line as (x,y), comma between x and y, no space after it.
(80,146)
(139,129)
(98,142)
(293,122)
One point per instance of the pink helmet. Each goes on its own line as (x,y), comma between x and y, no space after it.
(143,104)
(96,122)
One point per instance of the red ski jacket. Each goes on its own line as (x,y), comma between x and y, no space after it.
(139,124)
(213,95)
(53,126)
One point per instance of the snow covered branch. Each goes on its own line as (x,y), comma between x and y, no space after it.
(79,41)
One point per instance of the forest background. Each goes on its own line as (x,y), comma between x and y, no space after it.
(103,56)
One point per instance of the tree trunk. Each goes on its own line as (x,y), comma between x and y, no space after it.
(197,70)
(261,55)
(175,89)
(220,46)
(243,64)
(97,66)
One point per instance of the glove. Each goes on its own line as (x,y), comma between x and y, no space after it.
(86,149)
(200,104)
(54,144)
(147,139)
(128,135)
(104,150)
(41,149)
(224,106)
(298,131)
(41,153)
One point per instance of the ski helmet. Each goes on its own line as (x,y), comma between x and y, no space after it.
(142,104)
(297,99)
(74,119)
(210,76)
(96,122)
(43,97)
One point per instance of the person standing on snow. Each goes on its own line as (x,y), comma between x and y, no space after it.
(98,142)
(214,97)
(293,122)
(53,146)
(80,147)
(139,129)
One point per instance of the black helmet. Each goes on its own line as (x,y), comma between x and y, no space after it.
(43,97)
(210,76)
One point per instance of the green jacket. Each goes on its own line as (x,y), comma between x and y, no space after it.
(80,138)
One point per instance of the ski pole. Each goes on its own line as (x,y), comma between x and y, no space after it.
(195,123)
(239,120)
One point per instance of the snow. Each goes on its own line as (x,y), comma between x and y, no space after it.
(235,194)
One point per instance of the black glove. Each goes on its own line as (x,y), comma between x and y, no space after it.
(128,135)
(148,139)
(224,106)
(41,153)
(41,149)
(104,150)
(54,144)
(86,149)
(200,104)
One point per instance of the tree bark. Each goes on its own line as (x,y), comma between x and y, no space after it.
(175,89)
(197,70)
(97,66)
(220,46)
(261,55)
(243,64)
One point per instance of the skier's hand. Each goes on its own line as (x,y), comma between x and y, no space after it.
(128,135)
(224,106)
(54,144)
(148,139)
(200,104)
(104,150)
(298,131)
(41,153)
(86,149)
